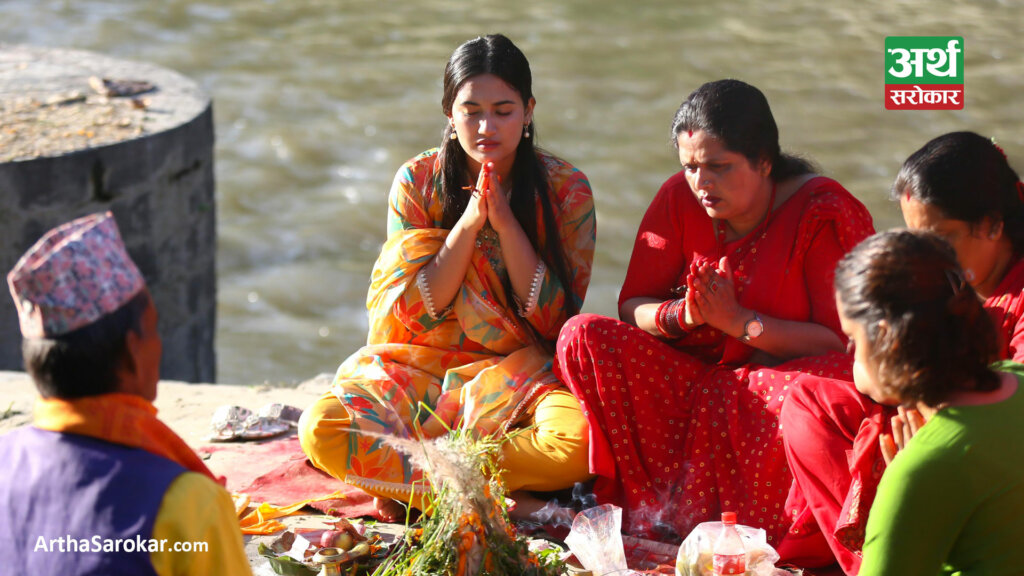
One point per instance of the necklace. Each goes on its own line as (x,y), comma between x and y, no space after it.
(487,236)
(489,244)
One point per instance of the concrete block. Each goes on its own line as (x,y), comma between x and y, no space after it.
(156,176)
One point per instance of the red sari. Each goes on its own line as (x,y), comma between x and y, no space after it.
(681,431)
(832,448)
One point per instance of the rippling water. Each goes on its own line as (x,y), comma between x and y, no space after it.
(317,103)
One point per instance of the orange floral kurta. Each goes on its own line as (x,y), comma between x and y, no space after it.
(473,368)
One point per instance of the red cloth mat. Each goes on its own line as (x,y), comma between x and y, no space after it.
(277,472)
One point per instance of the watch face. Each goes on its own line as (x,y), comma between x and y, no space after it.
(754,328)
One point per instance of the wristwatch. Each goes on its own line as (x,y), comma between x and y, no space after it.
(752,329)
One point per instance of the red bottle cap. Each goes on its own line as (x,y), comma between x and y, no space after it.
(728,518)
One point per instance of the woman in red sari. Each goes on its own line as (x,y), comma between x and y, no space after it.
(727,300)
(960,186)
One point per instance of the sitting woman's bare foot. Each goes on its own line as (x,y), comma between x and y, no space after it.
(529,507)
(389,510)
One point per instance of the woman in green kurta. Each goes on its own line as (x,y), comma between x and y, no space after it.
(952,496)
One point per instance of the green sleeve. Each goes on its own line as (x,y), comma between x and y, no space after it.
(917,513)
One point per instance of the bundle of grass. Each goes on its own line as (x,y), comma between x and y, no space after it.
(465,529)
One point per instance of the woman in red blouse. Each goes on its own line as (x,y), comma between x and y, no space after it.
(728,299)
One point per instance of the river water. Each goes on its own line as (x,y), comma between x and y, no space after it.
(318,102)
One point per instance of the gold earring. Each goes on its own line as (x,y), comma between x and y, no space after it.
(454,135)
(526,130)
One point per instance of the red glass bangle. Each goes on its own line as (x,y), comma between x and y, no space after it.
(667,319)
(660,318)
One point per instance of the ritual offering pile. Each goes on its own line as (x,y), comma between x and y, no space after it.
(465,529)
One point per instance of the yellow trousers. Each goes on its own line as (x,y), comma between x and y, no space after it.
(551,454)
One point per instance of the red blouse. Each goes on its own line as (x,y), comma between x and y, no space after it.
(789,268)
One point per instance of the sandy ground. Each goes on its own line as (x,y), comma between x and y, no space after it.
(187,409)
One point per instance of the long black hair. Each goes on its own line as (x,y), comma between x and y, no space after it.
(738,114)
(967,177)
(495,54)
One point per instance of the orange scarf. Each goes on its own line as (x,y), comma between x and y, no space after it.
(124,419)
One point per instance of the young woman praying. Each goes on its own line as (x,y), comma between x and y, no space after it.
(489,251)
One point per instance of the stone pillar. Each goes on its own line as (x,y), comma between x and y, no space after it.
(72,144)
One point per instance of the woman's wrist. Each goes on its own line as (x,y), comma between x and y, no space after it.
(669,319)
(686,326)
(470,227)
(736,324)
(506,225)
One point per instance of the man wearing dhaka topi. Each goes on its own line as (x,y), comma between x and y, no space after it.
(99,485)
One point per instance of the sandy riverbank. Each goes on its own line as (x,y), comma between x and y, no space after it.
(186,408)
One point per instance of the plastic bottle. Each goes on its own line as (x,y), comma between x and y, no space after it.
(729,556)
